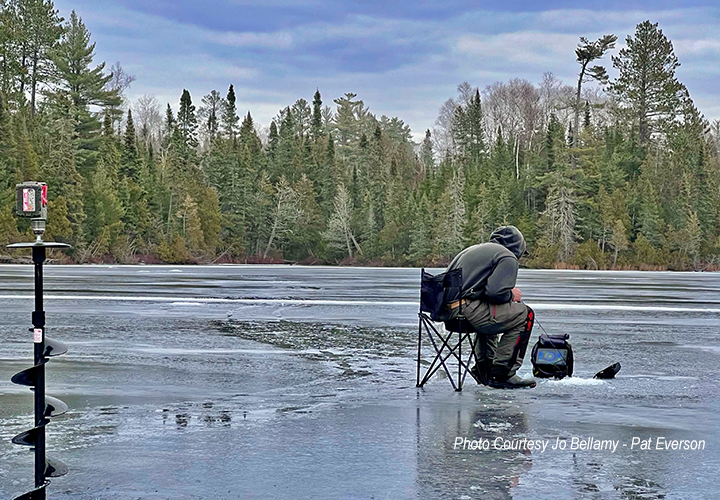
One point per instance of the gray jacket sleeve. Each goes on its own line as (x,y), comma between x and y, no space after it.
(502,281)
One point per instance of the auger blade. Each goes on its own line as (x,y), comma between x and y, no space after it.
(28,376)
(54,348)
(36,494)
(608,372)
(27,438)
(55,468)
(54,407)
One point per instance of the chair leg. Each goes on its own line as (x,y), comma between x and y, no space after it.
(438,352)
(420,321)
(460,377)
(441,357)
(470,358)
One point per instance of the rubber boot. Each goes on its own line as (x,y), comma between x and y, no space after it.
(513,382)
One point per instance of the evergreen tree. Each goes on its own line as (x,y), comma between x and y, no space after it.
(212,105)
(248,135)
(560,214)
(77,86)
(130,161)
(74,76)
(169,121)
(647,83)
(586,120)
(272,140)
(130,136)
(41,27)
(230,117)
(585,53)
(317,122)
(187,121)
(427,156)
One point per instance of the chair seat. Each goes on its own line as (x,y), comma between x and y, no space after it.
(458,325)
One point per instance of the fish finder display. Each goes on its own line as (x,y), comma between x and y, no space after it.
(551,356)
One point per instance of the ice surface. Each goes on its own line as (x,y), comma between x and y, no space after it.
(231,382)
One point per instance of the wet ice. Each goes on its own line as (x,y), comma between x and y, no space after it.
(279,381)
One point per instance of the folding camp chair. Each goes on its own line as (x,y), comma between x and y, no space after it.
(435,293)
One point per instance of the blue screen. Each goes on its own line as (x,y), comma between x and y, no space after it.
(551,356)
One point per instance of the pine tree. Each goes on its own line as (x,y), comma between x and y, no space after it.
(187,121)
(130,136)
(212,105)
(317,122)
(41,27)
(427,156)
(585,53)
(650,217)
(77,86)
(450,224)
(230,117)
(272,140)
(421,237)
(586,120)
(170,122)
(74,77)
(647,83)
(468,129)
(248,135)
(191,225)
(560,214)
(130,163)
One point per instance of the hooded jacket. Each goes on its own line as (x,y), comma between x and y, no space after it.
(489,270)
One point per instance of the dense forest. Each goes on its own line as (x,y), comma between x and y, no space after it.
(605,173)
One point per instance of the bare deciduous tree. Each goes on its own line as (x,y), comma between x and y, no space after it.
(339,234)
(146,112)
(285,213)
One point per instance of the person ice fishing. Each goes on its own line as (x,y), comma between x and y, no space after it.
(492,304)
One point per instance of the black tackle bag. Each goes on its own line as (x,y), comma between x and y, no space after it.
(552,357)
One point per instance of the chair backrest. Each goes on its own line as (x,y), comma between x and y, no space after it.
(436,291)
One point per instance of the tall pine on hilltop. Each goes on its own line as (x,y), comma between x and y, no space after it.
(230,117)
(187,121)
(647,83)
(78,85)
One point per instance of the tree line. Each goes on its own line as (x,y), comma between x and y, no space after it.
(621,173)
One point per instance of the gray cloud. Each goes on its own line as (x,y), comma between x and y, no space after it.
(400,66)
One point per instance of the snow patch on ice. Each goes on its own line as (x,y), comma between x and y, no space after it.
(493,426)
(576,381)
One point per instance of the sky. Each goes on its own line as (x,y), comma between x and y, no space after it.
(402,59)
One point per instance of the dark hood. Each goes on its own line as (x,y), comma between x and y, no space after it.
(511,238)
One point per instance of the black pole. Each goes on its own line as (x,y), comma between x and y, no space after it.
(38,320)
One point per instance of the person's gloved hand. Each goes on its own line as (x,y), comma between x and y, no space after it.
(516,295)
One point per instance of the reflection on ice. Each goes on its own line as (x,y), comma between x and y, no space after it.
(232,373)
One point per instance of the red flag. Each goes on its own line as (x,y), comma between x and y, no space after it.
(44,195)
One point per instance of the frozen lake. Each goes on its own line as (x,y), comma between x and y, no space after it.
(230,382)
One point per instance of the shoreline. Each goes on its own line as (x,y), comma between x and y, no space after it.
(7,260)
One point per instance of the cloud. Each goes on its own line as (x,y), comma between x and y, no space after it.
(403,62)
(534,48)
(277,40)
(692,47)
